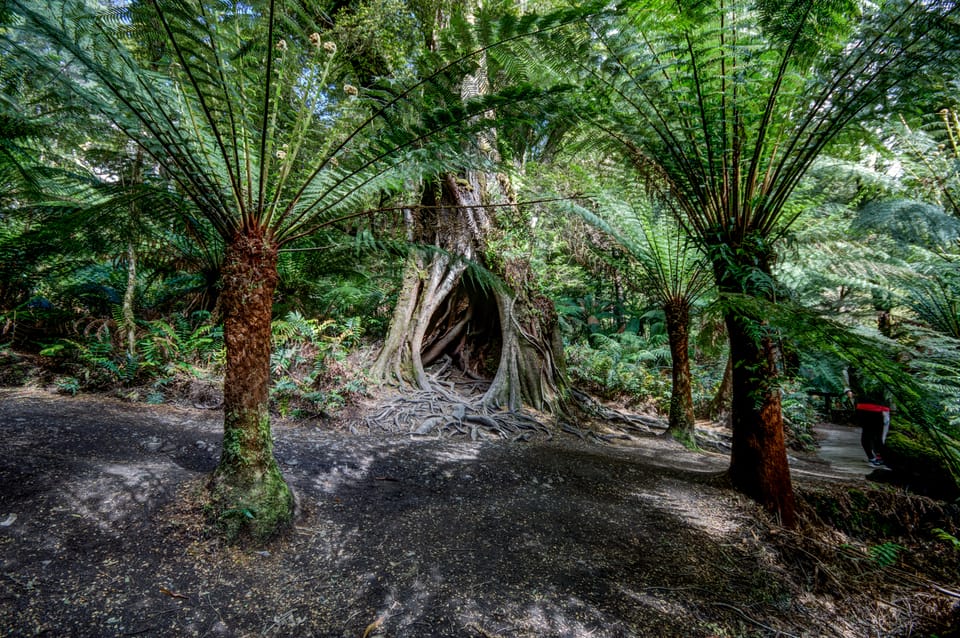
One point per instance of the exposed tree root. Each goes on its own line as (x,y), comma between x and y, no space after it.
(454,406)
(448,413)
(626,422)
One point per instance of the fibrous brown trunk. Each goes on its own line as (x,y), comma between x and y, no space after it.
(248,492)
(681,424)
(758,459)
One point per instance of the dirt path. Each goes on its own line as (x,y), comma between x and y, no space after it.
(394,537)
(840,447)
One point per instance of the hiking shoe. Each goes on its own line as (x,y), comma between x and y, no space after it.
(877,462)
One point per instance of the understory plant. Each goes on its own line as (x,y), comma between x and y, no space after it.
(310,372)
(635,366)
(169,353)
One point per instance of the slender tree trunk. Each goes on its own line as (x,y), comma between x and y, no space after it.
(129,294)
(758,459)
(129,318)
(681,424)
(719,408)
(248,492)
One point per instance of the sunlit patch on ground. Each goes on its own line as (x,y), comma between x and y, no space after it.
(401,538)
(687,501)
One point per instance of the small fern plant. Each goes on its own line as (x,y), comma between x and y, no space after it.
(947,537)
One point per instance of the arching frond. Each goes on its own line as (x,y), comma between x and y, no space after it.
(729,116)
(251,113)
(658,259)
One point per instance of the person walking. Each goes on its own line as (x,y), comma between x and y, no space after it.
(871,413)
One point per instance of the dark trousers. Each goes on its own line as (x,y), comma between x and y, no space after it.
(872,435)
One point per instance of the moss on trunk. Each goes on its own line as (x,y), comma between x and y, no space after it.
(758,458)
(247,492)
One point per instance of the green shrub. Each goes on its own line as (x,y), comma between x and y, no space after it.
(623,365)
(918,463)
(799,415)
(308,364)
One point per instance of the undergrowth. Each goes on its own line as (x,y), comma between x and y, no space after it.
(181,358)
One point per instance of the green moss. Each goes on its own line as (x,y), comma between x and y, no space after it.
(686,438)
(921,466)
(248,495)
(875,514)
(244,506)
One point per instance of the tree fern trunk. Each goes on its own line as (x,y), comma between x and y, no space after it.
(248,492)
(681,396)
(758,459)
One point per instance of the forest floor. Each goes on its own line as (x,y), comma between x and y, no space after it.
(102,534)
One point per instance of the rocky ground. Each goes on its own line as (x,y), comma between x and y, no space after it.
(102,534)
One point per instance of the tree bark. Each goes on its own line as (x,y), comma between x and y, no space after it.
(758,459)
(438,313)
(450,219)
(129,294)
(719,408)
(531,370)
(681,423)
(248,492)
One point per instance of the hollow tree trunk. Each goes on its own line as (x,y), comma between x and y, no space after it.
(681,424)
(439,313)
(531,370)
(248,492)
(429,280)
(758,459)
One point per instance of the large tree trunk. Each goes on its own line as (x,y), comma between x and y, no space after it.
(681,424)
(758,460)
(450,219)
(531,370)
(439,313)
(507,334)
(247,490)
